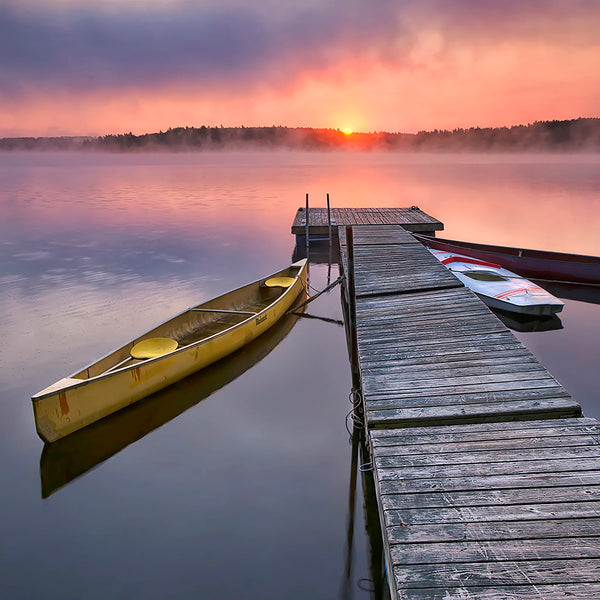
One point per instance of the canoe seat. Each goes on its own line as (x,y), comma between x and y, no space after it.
(282,282)
(485,276)
(153,347)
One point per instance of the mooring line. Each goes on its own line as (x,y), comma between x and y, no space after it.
(326,319)
(311,298)
(355,398)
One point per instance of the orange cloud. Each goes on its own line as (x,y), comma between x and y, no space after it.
(409,68)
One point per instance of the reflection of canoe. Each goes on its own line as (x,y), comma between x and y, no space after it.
(74,455)
(574,291)
(201,336)
(526,323)
(536,264)
(498,287)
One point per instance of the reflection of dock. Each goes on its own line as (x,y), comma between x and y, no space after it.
(487,478)
(74,455)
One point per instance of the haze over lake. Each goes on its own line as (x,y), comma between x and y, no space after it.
(244,492)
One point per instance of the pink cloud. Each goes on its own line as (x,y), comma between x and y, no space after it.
(409,66)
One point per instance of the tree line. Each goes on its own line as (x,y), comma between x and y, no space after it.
(575,135)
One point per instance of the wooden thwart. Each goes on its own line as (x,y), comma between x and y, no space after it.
(222,310)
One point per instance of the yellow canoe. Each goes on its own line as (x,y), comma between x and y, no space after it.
(66,459)
(188,342)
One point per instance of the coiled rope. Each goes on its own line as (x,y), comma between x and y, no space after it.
(355,398)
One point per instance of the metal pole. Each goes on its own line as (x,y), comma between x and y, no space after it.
(330,246)
(306,228)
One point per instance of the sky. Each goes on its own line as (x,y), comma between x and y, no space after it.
(91,67)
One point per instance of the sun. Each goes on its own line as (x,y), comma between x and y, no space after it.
(347,131)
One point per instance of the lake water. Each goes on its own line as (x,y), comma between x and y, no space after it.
(233,484)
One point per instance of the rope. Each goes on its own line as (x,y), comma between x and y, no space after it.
(311,298)
(325,319)
(355,399)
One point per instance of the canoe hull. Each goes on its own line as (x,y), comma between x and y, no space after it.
(73,403)
(534,310)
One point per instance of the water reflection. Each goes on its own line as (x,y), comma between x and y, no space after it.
(98,248)
(380,589)
(321,252)
(527,323)
(573,291)
(376,582)
(72,456)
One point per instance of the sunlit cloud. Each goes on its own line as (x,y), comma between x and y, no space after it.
(144,66)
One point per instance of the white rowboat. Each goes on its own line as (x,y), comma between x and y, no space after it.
(499,287)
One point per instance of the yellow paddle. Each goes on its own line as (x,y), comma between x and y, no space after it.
(283,282)
(153,347)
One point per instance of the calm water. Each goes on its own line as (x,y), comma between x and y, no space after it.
(232,484)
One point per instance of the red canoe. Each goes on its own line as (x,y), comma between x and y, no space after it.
(535,264)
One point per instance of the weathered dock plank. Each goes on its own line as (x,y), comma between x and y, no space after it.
(585,591)
(485,432)
(493,530)
(499,573)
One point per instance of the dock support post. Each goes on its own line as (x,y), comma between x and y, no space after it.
(306,228)
(352,300)
(351,284)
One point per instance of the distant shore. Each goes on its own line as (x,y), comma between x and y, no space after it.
(575,135)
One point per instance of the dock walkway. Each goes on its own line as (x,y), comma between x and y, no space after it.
(487,477)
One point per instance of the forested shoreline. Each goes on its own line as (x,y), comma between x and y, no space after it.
(575,135)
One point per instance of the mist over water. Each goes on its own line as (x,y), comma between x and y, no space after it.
(245,493)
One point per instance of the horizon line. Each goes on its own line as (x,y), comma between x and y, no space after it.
(339,129)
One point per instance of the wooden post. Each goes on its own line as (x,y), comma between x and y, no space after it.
(352,301)
(306,228)
(348,581)
(351,284)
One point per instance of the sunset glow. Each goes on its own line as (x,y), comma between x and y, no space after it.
(76,69)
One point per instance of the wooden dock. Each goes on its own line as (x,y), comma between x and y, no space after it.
(411,219)
(487,476)
(491,511)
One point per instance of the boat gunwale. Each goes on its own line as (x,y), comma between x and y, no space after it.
(300,264)
(512,251)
